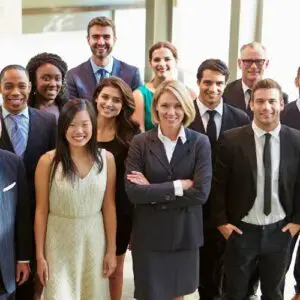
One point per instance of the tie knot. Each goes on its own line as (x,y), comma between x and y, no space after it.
(267,137)
(15,118)
(102,72)
(211,113)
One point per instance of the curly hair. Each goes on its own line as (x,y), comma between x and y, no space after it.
(42,59)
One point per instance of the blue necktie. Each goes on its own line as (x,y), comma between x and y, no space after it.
(102,73)
(17,136)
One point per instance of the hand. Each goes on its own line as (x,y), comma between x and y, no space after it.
(137,178)
(186,184)
(42,271)
(22,272)
(227,229)
(109,264)
(292,228)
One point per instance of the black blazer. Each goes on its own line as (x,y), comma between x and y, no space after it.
(163,221)
(15,221)
(232,117)
(234,95)
(41,138)
(234,182)
(291,115)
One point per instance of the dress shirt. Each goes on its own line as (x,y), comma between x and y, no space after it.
(24,124)
(108,68)
(205,116)
(169,148)
(298,103)
(246,94)
(256,214)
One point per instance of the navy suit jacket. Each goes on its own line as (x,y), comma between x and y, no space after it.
(291,115)
(15,220)
(234,95)
(163,221)
(81,81)
(41,138)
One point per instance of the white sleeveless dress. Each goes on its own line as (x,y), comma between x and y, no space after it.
(75,238)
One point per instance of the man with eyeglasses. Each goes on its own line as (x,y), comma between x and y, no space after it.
(252,62)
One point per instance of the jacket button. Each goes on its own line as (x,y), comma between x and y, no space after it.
(164,206)
(169,177)
(167,198)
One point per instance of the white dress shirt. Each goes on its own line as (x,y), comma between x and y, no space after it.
(298,103)
(256,214)
(169,146)
(205,116)
(246,94)
(108,68)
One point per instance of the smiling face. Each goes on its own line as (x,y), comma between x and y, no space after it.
(80,130)
(48,81)
(266,106)
(163,63)
(169,111)
(109,102)
(101,41)
(253,63)
(15,88)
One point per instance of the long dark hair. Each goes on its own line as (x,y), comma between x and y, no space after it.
(126,128)
(40,60)
(62,153)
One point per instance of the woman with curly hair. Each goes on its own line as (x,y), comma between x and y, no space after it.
(114,103)
(47,74)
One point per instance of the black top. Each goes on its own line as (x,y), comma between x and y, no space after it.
(119,152)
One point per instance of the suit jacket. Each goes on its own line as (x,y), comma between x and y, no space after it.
(163,221)
(235,176)
(232,117)
(81,81)
(41,138)
(291,115)
(234,95)
(15,221)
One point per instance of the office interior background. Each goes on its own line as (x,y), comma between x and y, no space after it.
(200,29)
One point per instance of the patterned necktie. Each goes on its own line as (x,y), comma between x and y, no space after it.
(268,174)
(17,136)
(102,73)
(211,129)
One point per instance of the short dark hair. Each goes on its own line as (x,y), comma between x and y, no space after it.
(102,21)
(40,60)
(12,67)
(266,84)
(212,64)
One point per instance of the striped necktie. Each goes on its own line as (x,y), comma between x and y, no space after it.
(17,135)
(102,74)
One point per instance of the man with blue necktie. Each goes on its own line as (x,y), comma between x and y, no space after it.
(83,79)
(27,132)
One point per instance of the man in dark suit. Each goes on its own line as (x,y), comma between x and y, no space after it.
(15,225)
(256,190)
(83,79)
(212,118)
(253,62)
(27,132)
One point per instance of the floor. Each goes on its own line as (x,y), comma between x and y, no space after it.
(128,282)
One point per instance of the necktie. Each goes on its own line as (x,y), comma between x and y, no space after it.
(17,136)
(102,73)
(211,129)
(268,174)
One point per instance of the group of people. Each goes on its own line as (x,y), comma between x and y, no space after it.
(204,187)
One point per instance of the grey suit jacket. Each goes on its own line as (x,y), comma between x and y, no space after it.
(15,222)
(81,81)
(163,221)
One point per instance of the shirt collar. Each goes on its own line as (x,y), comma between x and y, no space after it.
(245,87)
(108,68)
(24,112)
(260,132)
(203,108)
(181,135)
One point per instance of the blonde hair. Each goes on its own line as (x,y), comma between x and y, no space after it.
(181,94)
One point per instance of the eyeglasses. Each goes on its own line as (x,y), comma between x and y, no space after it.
(249,62)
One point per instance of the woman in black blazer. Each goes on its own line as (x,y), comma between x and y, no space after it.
(168,177)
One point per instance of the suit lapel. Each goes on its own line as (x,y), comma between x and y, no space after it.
(227,121)
(158,150)
(32,125)
(181,150)
(5,142)
(238,97)
(89,78)
(250,151)
(197,124)
(116,70)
